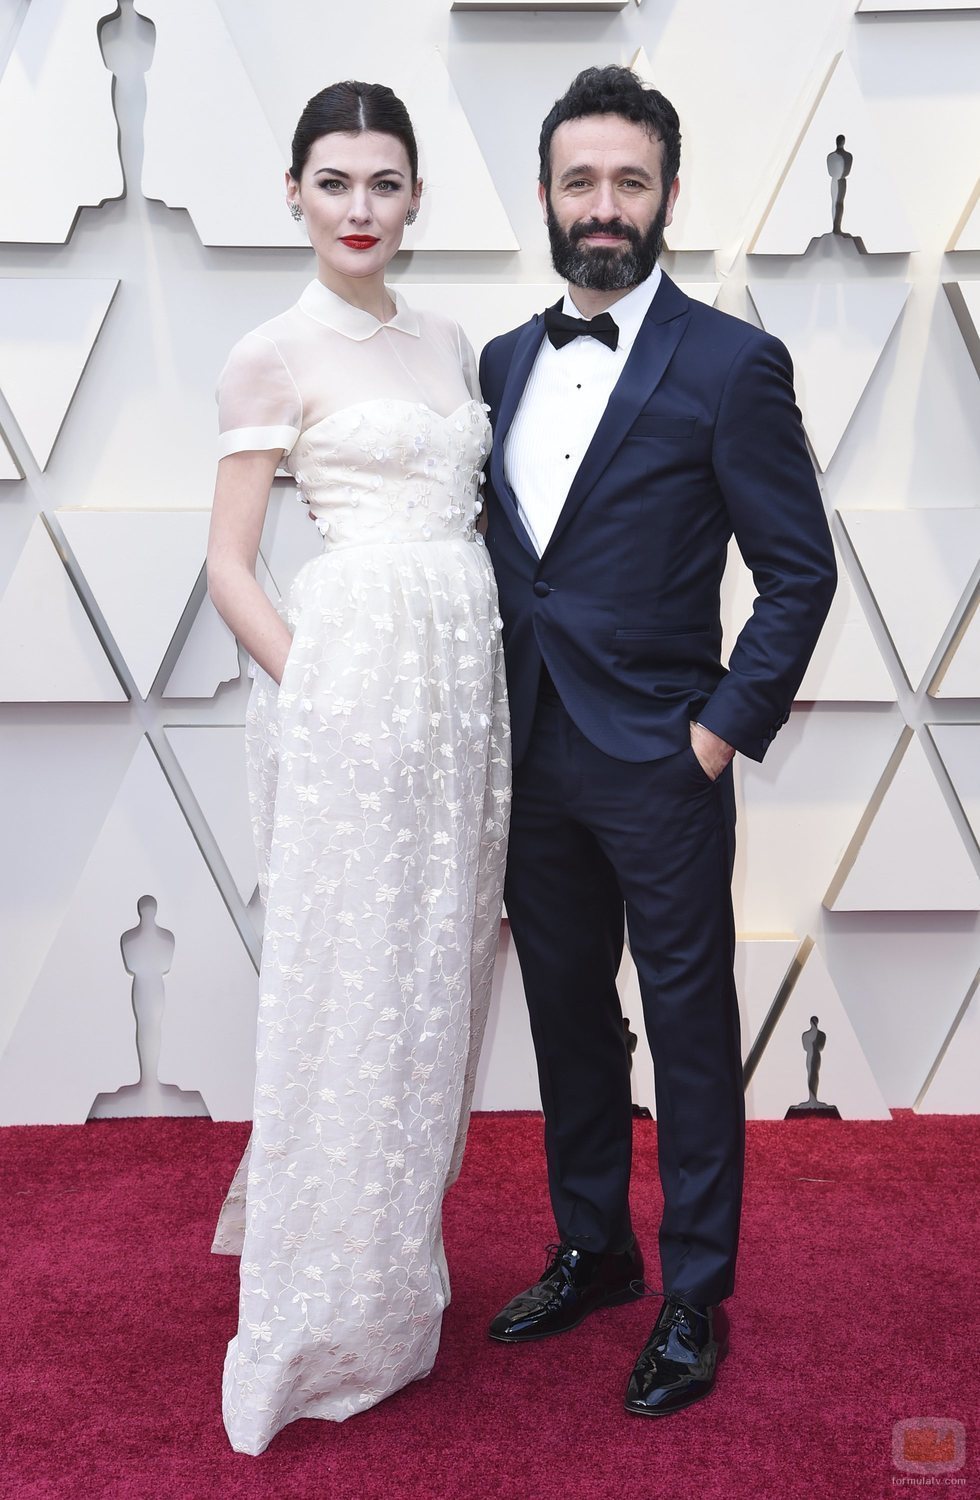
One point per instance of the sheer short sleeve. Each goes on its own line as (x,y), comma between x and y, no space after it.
(467,360)
(259,405)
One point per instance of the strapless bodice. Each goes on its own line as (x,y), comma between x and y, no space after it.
(387,470)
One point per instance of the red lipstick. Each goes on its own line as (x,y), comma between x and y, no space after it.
(359,241)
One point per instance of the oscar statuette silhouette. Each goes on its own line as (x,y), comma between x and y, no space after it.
(814,1040)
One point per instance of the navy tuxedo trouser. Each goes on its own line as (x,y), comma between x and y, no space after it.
(588,834)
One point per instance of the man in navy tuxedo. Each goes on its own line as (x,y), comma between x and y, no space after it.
(634,432)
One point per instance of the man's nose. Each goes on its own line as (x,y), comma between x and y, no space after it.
(604,204)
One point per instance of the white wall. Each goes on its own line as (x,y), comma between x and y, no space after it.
(138,435)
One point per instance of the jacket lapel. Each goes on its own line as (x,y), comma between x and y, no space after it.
(525,353)
(660,333)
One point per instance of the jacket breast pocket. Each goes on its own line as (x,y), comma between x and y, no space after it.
(668,635)
(649,426)
(673,656)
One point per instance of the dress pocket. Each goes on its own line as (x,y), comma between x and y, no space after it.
(285,690)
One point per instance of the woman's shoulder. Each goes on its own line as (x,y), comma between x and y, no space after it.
(444,332)
(447,333)
(267,343)
(432,324)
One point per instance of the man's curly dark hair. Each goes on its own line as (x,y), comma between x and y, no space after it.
(614,90)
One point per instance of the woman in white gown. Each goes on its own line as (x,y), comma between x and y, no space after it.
(377,749)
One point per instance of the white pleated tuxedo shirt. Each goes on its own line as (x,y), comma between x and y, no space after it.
(562,405)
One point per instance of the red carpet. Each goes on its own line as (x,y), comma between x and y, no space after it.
(856,1307)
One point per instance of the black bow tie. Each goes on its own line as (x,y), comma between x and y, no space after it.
(561,329)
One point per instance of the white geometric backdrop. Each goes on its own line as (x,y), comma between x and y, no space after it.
(143,230)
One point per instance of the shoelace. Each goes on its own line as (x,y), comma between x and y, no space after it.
(644,1289)
(555,1250)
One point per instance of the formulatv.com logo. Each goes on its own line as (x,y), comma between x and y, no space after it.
(928,1447)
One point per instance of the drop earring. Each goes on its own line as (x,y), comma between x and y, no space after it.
(296,211)
(411,216)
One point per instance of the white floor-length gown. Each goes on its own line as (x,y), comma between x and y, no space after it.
(379,787)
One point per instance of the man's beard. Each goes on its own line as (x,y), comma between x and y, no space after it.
(601,268)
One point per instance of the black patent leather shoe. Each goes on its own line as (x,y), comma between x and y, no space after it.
(678,1363)
(575,1283)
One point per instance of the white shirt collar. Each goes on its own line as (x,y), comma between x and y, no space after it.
(629,311)
(324,306)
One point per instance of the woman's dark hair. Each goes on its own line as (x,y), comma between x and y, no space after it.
(351,107)
(615,91)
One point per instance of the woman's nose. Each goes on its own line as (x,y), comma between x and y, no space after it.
(359,209)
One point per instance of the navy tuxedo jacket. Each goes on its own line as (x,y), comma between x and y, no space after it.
(701,438)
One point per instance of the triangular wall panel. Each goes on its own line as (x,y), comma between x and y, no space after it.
(694,224)
(836,332)
(59,776)
(507,1076)
(49,652)
(196,64)
(959,675)
(141,566)
(212,757)
(48,328)
(483,310)
(9,467)
(59,147)
(641,1074)
(846,666)
(289,538)
(966,235)
(76,1035)
(918,565)
(201,107)
(486,310)
(907,853)
(964,299)
(545,5)
(761,966)
(883,7)
(801,806)
(845,1076)
(959,750)
(802,208)
(209,656)
(701,291)
(954,1085)
(461,209)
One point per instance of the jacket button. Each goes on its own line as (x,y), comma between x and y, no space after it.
(542,589)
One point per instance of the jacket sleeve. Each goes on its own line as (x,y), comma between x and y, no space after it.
(487,383)
(767,481)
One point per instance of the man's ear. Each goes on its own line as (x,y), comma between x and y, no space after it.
(543,200)
(675,188)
